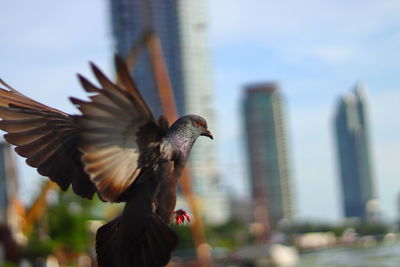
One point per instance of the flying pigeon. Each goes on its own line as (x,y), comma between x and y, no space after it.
(116,149)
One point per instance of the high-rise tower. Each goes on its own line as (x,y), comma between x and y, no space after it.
(181,26)
(267,154)
(352,141)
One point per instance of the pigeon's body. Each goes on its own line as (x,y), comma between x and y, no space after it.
(115,148)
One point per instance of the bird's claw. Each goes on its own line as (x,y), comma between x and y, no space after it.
(181,216)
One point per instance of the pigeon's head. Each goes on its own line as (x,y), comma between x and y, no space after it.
(191,126)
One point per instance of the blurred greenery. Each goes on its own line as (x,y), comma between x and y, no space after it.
(363,228)
(64,227)
(230,235)
(185,236)
(235,234)
(67,223)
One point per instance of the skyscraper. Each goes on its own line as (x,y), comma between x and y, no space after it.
(352,142)
(267,154)
(181,26)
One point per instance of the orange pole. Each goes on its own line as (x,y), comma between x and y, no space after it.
(161,77)
(168,102)
(133,55)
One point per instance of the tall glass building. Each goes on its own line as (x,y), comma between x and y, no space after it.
(267,155)
(352,142)
(182,28)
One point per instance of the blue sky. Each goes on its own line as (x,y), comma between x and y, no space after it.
(316,50)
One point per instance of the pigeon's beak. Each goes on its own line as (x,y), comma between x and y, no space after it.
(207,133)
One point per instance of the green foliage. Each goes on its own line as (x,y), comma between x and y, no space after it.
(68,228)
(364,229)
(9,264)
(185,237)
(38,246)
(229,235)
(63,227)
(312,227)
(361,227)
(235,234)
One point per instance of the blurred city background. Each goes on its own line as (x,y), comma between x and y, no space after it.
(302,98)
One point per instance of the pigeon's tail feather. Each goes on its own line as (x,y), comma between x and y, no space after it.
(154,249)
(107,243)
(137,238)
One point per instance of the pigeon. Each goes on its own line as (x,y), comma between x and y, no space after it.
(116,149)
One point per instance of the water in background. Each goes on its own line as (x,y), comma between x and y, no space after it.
(377,256)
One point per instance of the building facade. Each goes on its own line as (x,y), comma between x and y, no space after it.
(353,153)
(182,28)
(264,124)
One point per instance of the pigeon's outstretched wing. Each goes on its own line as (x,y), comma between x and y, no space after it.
(117,133)
(46,137)
(113,148)
(121,146)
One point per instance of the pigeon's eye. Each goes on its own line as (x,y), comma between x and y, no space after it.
(200,123)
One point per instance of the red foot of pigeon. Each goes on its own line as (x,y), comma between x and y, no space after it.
(181,216)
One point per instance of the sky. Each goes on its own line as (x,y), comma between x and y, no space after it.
(315,50)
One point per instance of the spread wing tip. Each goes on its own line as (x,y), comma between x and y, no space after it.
(7,86)
(88,86)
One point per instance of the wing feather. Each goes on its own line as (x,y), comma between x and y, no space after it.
(33,147)
(129,85)
(104,149)
(46,137)
(12,96)
(112,148)
(21,125)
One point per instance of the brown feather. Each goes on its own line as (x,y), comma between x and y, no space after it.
(15,97)
(21,125)
(129,85)
(23,138)
(45,136)
(8,113)
(88,86)
(37,145)
(103,80)
(112,119)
